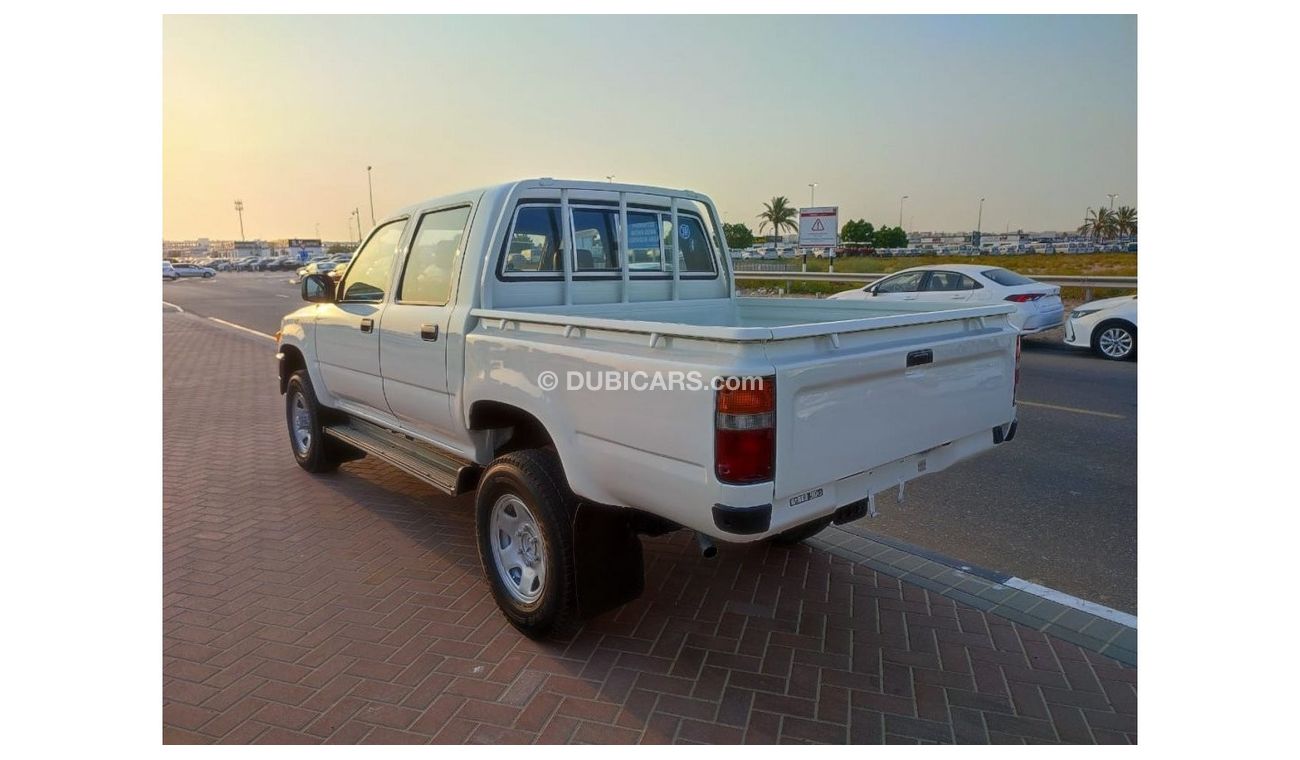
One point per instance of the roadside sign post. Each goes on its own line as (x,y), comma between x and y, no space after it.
(819,227)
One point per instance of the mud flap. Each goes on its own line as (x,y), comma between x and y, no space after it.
(607,559)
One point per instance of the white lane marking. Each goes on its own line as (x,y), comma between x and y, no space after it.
(1108,415)
(174,306)
(1092,608)
(281,295)
(241,327)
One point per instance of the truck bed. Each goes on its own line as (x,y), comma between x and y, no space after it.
(743,319)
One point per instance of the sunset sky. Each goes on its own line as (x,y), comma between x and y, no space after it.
(1036,114)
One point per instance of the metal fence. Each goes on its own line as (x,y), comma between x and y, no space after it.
(789,272)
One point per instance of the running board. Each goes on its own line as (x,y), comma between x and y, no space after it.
(446,472)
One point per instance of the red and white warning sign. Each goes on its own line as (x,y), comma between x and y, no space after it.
(819,226)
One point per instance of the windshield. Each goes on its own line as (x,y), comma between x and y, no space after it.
(1006,277)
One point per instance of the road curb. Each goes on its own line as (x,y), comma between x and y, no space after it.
(1086,624)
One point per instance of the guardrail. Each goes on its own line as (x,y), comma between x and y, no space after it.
(1087,282)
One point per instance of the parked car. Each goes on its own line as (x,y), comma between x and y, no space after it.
(317,267)
(1038,306)
(441,351)
(1108,327)
(193,270)
(169,273)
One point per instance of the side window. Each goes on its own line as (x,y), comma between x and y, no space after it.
(944,281)
(595,240)
(430,264)
(372,268)
(969,284)
(908,282)
(693,245)
(645,252)
(535,241)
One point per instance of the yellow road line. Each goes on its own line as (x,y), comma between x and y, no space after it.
(1072,409)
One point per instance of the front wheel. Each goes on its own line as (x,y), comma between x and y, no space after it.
(524,520)
(303,414)
(1115,341)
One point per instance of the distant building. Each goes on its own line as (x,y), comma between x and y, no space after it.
(301,249)
(246,248)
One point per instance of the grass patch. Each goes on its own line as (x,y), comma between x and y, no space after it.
(1101,264)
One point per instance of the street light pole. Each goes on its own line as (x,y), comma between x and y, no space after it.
(1112,200)
(979,222)
(812,193)
(357,213)
(900,210)
(239,209)
(371,186)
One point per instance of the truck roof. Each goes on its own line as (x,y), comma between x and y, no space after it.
(548,183)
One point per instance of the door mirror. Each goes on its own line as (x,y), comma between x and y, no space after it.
(318,288)
(870,289)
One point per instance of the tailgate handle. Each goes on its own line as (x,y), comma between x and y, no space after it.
(428,332)
(367,325)
(917,358)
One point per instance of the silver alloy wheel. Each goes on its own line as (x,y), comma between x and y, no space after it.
(1115,342)
(301,424)
(518,550)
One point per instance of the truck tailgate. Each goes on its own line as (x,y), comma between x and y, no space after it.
(854,408)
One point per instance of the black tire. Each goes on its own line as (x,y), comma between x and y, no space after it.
(801,532)
(318,454)
(535,478)
(1110,338)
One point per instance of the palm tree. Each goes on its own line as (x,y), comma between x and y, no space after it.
(1126,220)
(1100,224)
(779,214)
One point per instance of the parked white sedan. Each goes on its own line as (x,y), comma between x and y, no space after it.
(1108,326)
(1038,306)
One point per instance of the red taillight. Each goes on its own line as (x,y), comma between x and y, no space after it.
(744,444)
(1025,297)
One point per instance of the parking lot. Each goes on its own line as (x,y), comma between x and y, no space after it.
(1058,507)
(351,608)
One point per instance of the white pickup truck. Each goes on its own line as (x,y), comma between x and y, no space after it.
(577,352)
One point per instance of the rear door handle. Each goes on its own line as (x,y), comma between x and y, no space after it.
(367,325)
(428,332)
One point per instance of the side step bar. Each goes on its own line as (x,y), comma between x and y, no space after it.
(446,472)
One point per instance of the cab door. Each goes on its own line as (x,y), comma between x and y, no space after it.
(904,286)
(347,330)
(942,286)
(414,339)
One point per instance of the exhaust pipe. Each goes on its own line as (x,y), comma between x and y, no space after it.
(707,549)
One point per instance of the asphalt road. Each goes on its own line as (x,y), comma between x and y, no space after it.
(1057,506)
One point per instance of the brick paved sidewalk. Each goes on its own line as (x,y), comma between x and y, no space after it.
(351,608)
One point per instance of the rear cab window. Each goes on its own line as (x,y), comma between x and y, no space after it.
(533,245)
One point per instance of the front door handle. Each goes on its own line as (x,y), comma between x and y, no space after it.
(428,332)
(367,325)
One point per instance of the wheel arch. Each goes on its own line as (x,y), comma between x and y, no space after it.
(1113,322)
(527,431)
(291,360)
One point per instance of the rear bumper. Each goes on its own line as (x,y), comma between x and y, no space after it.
(847,499)
(1043,322)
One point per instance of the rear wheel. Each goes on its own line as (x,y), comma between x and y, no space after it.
(801,532)
(1116,341)
(524,520)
